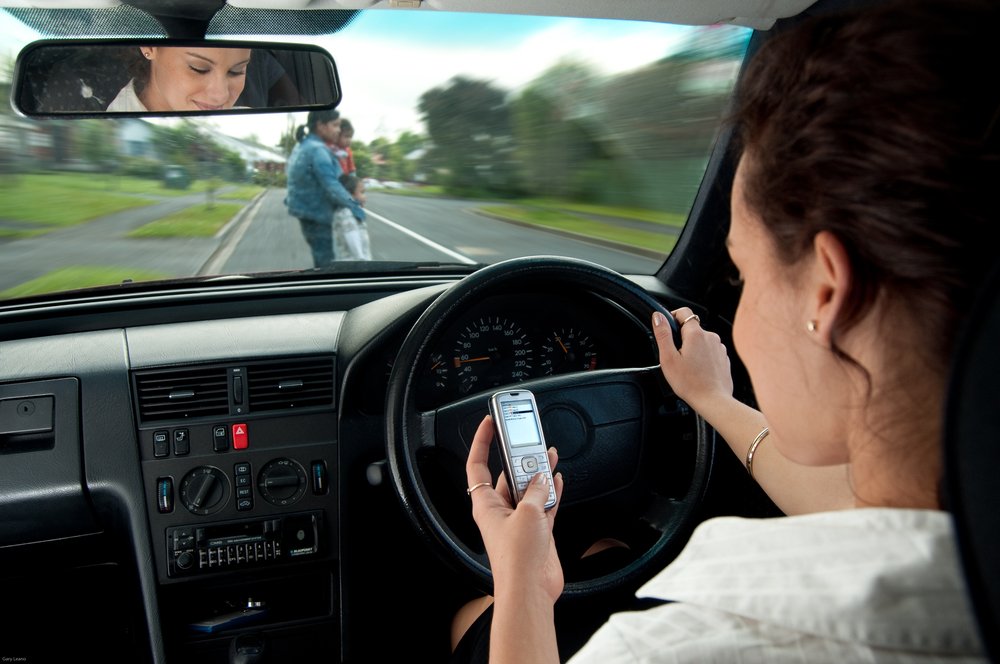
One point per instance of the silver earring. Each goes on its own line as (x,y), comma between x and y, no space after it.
(811,326)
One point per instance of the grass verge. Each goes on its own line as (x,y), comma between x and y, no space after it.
(636,214)
(195,221)
(241,193)
(566,221)
(45,200)
(79,276)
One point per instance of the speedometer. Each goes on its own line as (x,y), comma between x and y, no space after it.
(492,351)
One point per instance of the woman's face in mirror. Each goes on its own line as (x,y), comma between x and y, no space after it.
(185,78)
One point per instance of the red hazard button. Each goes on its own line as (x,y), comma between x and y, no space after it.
(240,439)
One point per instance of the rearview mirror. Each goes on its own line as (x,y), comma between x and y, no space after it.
(170,77)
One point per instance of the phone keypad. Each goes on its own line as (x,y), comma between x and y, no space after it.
(525,468)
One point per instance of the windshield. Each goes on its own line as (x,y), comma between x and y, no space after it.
(473,138)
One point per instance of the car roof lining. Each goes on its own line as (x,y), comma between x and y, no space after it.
(758,14)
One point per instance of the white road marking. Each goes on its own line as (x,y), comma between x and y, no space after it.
(416,236)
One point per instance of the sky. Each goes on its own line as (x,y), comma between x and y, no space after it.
(387,58)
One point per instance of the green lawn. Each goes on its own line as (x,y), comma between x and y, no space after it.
(638,214)
(79,276)
(47,200)
(195,221)
(567,221)
(425,191)
(242,193)
(110,183)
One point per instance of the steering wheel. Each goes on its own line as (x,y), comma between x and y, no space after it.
(604,422)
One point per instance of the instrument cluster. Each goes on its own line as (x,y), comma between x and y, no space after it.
(508,339)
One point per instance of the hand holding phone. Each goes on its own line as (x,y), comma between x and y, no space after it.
(522,443)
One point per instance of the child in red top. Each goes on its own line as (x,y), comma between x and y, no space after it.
(342,147)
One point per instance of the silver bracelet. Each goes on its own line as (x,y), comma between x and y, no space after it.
(753,448)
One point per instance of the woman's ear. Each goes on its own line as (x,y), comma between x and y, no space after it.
(832,276)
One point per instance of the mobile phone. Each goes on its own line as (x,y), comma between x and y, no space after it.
(522,442)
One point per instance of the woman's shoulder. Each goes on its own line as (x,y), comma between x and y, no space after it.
(315,147)
(127,100)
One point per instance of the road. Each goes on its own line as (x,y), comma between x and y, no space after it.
(263,237)
(409,229)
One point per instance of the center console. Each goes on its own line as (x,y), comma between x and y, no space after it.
(239,469)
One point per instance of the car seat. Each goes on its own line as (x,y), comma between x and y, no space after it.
(972,459)
(73,79)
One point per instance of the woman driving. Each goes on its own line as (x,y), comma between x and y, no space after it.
(862,200)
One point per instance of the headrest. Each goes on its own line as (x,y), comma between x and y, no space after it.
(972,459)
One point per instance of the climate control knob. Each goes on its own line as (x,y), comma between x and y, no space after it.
(282,482)
(204,490)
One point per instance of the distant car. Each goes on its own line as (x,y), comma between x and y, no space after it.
(176,177)
(372,183)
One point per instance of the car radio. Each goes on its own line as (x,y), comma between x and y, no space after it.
(238,544)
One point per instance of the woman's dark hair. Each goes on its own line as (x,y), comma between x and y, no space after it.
(314,118)
(137,66)
(881,128)
(346,127)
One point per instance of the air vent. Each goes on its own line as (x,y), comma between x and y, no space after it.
(182,393)
(290,384)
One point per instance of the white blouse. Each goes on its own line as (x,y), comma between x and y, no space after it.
(127,101)
(863,585)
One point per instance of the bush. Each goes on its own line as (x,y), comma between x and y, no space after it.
(267,179)
(141,167)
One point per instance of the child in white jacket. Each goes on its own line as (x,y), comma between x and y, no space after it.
(350,236)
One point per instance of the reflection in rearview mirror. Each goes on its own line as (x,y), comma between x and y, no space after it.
(172,78)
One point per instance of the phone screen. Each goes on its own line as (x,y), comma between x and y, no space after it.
(522,427)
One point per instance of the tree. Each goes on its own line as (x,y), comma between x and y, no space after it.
(469,126)
(97,142)
(559,131)
(287,142)
(183,144)
(363,161)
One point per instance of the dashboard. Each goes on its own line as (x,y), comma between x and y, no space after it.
(232,457)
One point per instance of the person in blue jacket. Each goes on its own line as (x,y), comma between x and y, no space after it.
(314,189)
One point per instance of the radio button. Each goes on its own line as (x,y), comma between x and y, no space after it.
(185,560)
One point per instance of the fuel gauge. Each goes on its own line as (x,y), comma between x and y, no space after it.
(439,371)
(568,350)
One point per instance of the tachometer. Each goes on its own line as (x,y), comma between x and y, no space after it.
(492,351)
(567,350)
